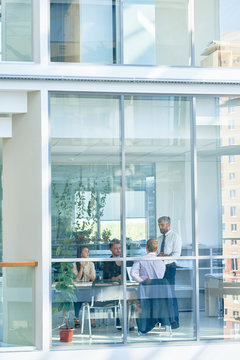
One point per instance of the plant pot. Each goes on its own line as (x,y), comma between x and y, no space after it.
(66,335)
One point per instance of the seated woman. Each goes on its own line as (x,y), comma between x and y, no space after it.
(85,271)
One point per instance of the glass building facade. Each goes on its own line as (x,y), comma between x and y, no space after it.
(114,113)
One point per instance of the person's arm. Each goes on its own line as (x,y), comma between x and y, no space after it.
(91,274)
(134,272)
(162,270)
(74,270)
(177,246)
(77,273)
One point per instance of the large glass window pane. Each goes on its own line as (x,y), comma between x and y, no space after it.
(84,31)
(217,121)
(93,306)
(156,32)
(1,198)
(151,307)
(16,30)
(220,296)
(158,172)
(86,173)
(17,306)
(217,33)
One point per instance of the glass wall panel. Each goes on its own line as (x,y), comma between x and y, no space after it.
(84,31)
(156,32)
(151,306)
(217,33)
(16,30)
(91,303)
(86,173)
(17,307)
(219,298)
(1,198)
(218,146)
(158,171)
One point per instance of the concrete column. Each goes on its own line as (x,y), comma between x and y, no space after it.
(26,235)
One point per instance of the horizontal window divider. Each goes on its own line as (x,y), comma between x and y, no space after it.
(85,259)
(110,259)
(19,264)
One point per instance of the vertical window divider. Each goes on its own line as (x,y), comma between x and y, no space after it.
(123,222)
(121,33)
(194,211)
(191,30)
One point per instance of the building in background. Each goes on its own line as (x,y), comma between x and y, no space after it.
(112,114)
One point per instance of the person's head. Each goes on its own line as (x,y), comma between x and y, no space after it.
(164,223)
(82,252)
(115,247)
(152,245)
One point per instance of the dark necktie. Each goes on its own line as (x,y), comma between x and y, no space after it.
(163,244)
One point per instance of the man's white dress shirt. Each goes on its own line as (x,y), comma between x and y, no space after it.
(173,245)
(148,270)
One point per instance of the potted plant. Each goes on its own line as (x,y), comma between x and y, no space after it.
(65,288)
(106,234)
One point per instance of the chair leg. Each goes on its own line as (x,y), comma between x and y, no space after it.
(120,311)
(83,316)
(115,315)
(129,314)
(89,321)
(169,329)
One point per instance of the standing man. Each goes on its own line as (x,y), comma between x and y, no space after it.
(170,244)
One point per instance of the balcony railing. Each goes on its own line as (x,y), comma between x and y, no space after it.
(17,326)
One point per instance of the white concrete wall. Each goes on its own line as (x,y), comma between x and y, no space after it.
(205,351)
(25,202)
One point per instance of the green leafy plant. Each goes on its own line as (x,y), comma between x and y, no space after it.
(77,213)
(89,211)
(65,285)
(106,234)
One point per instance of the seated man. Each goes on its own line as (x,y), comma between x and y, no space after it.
(112,271)
(148,270)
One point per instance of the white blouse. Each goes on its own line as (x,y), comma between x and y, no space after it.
(89,269)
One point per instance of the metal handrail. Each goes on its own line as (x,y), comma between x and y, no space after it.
(19,264)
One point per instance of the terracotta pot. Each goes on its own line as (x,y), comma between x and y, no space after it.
(66,335)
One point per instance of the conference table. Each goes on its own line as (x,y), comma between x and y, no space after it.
(100,291)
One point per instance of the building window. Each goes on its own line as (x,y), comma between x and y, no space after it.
(231,141)
(231,159)
(231,125)
(236,326)
(233,211)
(225,311)
(233,194)
(233,242)
(235,299)
(235,314)
(232,176)
(234,264)
(233,227)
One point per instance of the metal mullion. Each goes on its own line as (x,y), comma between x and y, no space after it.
(121,34)
(59,260)
(104,259)
(123,222)
(191,30)
(194,211)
